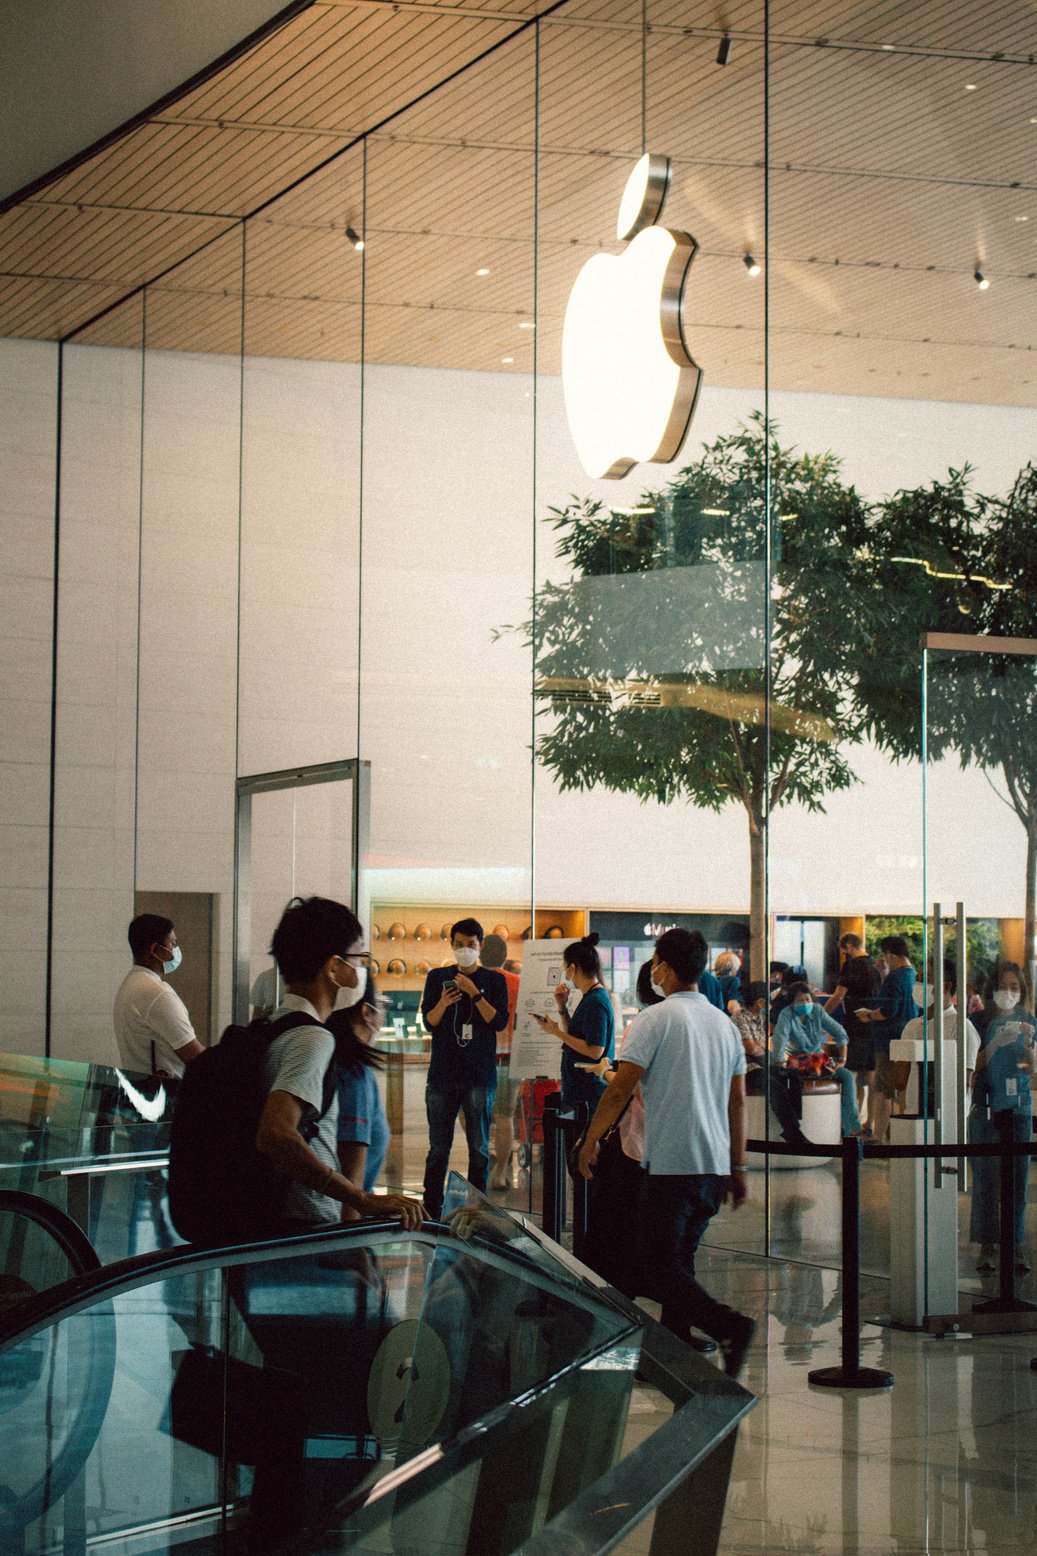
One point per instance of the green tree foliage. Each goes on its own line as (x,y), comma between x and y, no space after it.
(948,559)
(652,657)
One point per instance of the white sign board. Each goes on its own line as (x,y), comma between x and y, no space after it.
(534,1052)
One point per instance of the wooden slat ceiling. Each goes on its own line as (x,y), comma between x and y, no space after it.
(903,153)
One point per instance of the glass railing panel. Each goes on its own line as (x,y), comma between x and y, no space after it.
(286,1389)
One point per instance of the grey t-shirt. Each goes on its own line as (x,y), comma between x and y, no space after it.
(296,1063)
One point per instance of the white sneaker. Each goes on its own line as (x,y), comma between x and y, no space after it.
(987,1257)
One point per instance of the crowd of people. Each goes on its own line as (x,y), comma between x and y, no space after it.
(666,1136)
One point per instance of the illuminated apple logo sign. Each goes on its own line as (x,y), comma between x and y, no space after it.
(630,384)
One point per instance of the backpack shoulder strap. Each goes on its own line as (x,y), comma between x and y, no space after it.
(298,1018)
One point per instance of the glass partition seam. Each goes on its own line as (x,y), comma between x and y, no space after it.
(768,564)
(537,35)
(360,500)
(52,776)
(140,586)
(235,928)
(241,508)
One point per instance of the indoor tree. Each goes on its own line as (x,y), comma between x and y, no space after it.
(666,669)
(947,558)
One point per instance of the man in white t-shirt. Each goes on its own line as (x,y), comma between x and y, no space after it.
(915,1030)
(153,1031)
(689,1061)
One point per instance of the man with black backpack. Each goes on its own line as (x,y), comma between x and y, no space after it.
(253,1146)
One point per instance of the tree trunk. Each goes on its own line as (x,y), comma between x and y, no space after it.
(1029,912)
(758,899)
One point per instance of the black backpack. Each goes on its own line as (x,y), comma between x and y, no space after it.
(221,1189)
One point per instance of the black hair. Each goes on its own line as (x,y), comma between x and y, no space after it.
(795,989)
(950,975)
(583,955)
(854,940)
(791,975)
(494,951)
(756,991)
(467,926)
(781,968)
(895,945)
(312,930)
(685,953)
(351,1052)
(646,995)
(147,929)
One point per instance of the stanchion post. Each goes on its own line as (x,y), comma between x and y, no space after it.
(554,1174)
(850,1374)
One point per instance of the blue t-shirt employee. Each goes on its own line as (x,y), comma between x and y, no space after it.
(589,1034)
(885,1020)
(464,1007)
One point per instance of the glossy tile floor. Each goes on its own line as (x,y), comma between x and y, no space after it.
(945,1461)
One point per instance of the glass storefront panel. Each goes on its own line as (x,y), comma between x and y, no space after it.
(449,398)
(98,632)
(889,355)
(649,640)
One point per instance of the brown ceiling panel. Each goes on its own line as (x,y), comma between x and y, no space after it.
(40,309)
(890,183)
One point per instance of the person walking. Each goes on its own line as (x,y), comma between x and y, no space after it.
(688,1058)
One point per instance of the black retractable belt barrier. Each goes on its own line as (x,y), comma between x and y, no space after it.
(562,1127)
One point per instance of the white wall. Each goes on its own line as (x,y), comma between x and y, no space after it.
(442,711)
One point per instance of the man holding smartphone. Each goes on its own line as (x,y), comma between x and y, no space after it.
(464,1006)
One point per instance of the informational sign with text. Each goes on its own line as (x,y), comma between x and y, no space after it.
(534,1052)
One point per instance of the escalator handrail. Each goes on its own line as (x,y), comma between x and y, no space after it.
(102,1282)
(68,1234)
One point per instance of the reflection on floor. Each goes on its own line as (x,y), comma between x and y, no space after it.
(944,1462)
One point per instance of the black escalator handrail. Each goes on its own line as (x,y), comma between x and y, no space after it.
(109,1280)
(68,1234)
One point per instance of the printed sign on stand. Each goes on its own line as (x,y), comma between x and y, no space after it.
(534,1052)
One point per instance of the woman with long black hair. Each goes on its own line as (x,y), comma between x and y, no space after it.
(589,1034)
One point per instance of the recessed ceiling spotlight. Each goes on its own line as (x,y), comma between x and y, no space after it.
(526,324)
(887,48)
(981,280)
(1022,218)
(355,238)
(751,264)
(507,361)
(971,87)
(482,271)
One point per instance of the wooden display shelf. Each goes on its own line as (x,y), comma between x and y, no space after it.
(419,933)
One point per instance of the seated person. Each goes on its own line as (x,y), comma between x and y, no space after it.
(801,1029)
(783,1088)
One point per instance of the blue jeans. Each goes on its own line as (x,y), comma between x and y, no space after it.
(851,1119)
(674,1213)
(985,1220)
(441,1109)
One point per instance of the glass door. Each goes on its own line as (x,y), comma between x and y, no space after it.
(300,832)
(980,808)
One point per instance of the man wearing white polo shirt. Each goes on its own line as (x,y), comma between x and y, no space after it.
(153,1031)
(689,1061)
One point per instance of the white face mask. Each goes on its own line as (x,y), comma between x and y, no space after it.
(466,955)
(174,962)
(923,994)
(658,989)
(1006,999)
(347,998)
